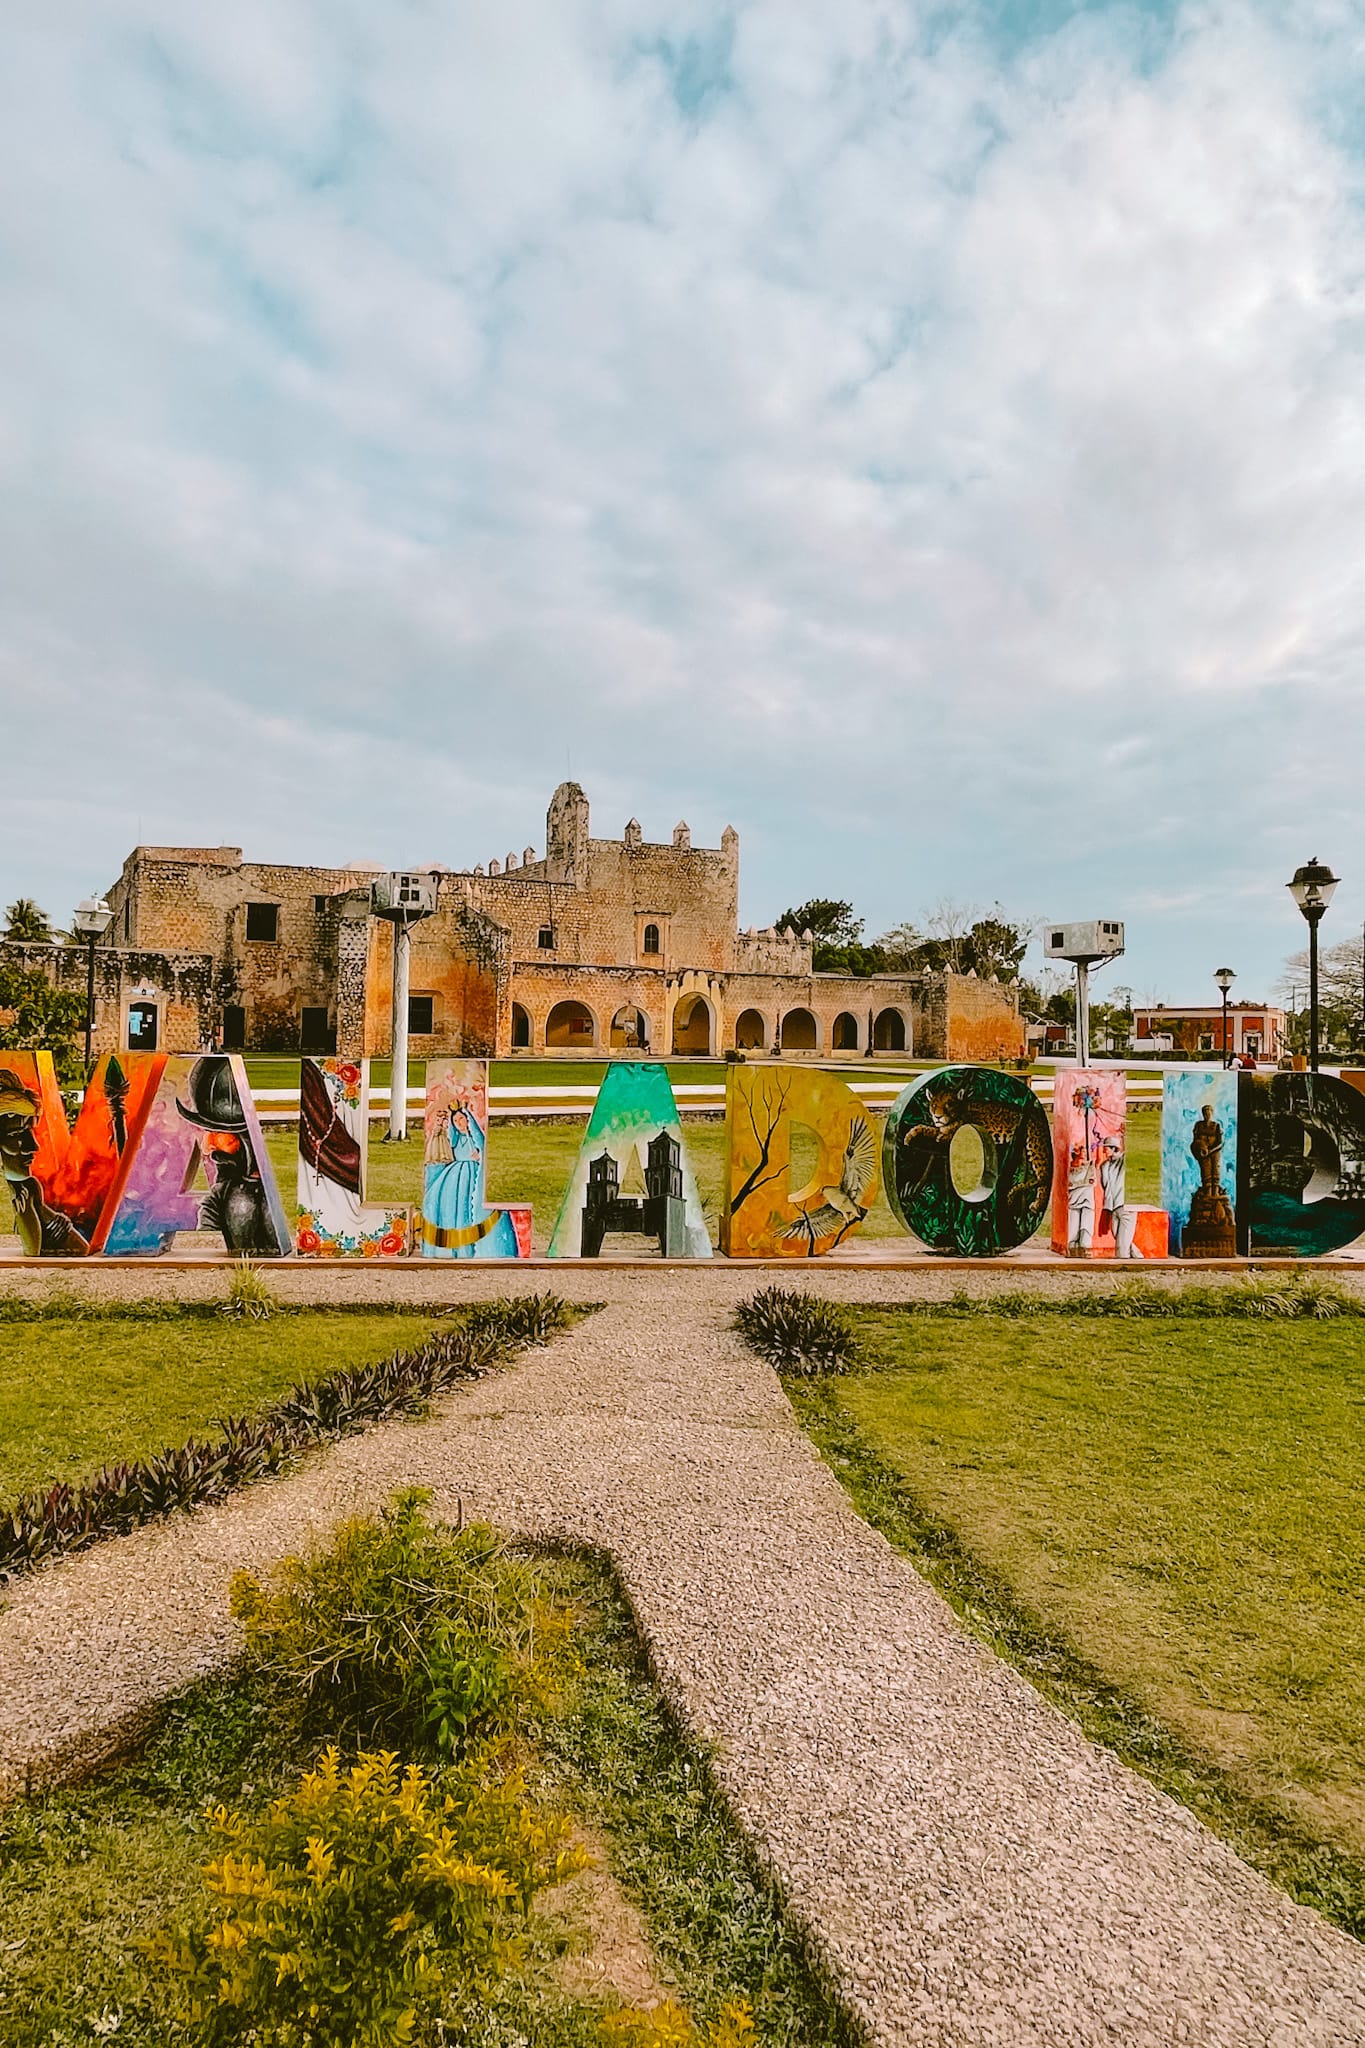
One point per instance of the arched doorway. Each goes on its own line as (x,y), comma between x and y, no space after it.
(798,1032)
(692,1026)
(629,1030)
(845,1032)
(570,1024)
(521,1029)
(888,1033)
(751,1033)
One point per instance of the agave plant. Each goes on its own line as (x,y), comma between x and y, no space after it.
(798,1333)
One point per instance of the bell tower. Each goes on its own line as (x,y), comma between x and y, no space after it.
(566,836)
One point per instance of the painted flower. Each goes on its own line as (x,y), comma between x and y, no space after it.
(391,1247)
(309,1242)
(349,1074)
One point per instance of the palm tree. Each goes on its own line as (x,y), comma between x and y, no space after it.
(27,924)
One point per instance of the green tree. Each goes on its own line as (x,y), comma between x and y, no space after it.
(836,934)
(27,923)
(36,1016)
(958,940)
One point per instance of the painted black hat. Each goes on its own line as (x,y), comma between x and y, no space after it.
(214,1103)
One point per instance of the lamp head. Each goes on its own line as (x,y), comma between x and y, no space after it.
(92,918)
(1312,888)
(1224,976)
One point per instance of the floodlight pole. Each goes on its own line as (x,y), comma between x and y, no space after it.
(1083,1013)
(402,899)
(398,1041)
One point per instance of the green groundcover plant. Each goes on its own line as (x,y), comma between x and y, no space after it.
(378,1903)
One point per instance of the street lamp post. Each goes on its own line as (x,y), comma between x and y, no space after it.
(1312,889)
(91,919)
(1225,977)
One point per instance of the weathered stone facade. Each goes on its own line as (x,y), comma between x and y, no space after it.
(154,999)
(600,945)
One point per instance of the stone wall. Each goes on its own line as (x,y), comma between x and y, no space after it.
(981,1020)
(180,986)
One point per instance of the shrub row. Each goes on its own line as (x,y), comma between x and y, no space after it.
(1298,1297)
(121,1497)
(801,1334)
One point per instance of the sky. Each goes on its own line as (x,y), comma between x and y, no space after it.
(930,437)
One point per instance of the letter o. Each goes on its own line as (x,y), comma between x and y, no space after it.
(1011,1199)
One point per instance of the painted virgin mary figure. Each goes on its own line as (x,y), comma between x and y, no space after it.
(455,1223)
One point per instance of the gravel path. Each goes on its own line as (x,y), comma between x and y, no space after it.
(975,1871)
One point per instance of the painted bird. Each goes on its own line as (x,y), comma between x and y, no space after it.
(842,1206)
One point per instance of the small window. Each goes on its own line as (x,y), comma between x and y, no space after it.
(651,944)
(316,1034)
(421,1015)
(319,905)
(263,922)
(1206,1041)
(546,938)
(142,1027)
(234,1027)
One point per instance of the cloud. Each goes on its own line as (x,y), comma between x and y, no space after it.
(933,443)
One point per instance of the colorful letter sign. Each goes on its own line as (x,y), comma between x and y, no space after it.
(456,1221)
(1300,1164)
(200,1164)
(1089,1112)
(632,1173)
(1199,1161)
(61,1180)
(1009,1202)
(761,1216)
(334,1219)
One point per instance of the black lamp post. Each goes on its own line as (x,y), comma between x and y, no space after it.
(1312,889)
(92,920)
(1225,977)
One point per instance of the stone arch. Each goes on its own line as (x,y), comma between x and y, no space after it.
(845,1035)
(571,1024)
(800,1032)
(521,1029)
(629,1029)
(888,1033)
(751,1031)
(693,1026)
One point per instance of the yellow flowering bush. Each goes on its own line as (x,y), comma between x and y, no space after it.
(668,2026)
(364,1905)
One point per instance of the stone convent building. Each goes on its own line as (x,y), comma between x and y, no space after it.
(599,946)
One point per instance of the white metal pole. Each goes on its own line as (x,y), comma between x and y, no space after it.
(398,1076)
(1082,1013)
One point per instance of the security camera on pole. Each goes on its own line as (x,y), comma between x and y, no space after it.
(403,900)
(1085,946)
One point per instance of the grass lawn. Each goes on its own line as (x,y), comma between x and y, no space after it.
(82,1391)
(1177,1502)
